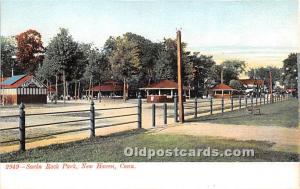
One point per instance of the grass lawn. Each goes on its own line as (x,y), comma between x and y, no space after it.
(111,149)
(283,114)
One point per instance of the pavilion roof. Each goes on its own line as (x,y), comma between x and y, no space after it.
(221,87)
(163,84)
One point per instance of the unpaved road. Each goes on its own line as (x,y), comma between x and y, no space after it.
(284,139)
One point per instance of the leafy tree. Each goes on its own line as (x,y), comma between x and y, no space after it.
(166,64)
(63,57)
(97,67)
(263,73)
(8,48)
(231,70)
(29,49)
(197,71)
(290,71)
(164,68)
(63,54)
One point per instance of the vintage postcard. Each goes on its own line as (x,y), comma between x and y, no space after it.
(123,89)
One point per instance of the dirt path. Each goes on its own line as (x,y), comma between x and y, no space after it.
(285,139)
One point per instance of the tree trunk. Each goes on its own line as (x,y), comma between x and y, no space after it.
(75,91)
(78,92)
(124,89)
(56,91)
(64,77)
(90,87)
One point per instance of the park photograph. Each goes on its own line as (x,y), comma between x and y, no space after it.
(149,81)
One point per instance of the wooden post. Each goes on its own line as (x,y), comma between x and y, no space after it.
(246,101)
(165,114)
(270,86)
(92,120)
(195,108)
(22,127)
(139,111)
(175,109)
(240,102)
(153,115)
(179,74)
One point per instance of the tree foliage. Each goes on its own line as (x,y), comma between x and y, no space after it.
(8,48)
(231,70)
(290,71)
(263,73)
(63,54)
(29,49)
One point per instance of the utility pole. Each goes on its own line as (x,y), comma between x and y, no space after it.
(271,86)
(179,75)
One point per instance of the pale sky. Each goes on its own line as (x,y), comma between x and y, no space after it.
(261,32)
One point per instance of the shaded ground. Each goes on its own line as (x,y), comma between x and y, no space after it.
(283,114)
(111,149)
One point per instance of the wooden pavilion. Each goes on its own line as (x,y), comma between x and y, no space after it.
(107,89)
(163,91)
(221,90)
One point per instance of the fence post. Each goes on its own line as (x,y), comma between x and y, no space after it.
(240,102)
(165,114)
(22,127)
(92,120)
(264,98)
(153,115)
(195,107)
(139,111)
(267,98)
(175,109)
(222,104)
(211,106)
(252,100)
(246,101)
(231,103)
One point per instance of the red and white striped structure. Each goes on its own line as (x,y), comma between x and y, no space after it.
(23,88)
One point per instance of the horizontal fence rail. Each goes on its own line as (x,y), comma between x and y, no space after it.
(195,108)
(91,125)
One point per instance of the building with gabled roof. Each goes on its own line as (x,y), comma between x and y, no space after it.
(23,88)
(109,88)
(163,91)
(221,90)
